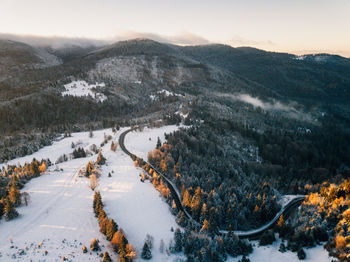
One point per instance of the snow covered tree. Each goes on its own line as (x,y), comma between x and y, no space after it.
(244,259)
(26,198)
(146,252)
(149,240)
(301,254)
(178,240)
(93,181)
(161,246)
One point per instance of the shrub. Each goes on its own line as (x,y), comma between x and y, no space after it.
(301,254)
(146,252)
(106,257)
(94,246)
(267,238)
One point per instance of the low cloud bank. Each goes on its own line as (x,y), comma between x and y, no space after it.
(57,42)
(256,102)
(289,110)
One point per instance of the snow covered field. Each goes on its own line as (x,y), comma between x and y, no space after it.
(137,207)
(271,254)
(60,212)
(81,88)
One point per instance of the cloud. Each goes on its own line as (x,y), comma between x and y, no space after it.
(240,41)
(184,38)
(256,102)
(289,110)
(54,41)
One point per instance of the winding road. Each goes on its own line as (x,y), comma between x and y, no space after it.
(290,204)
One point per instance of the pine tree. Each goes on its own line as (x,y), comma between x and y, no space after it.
(34,168)
(149,240)
(161,246)
(119,241)
(106,257)
(205,227)
(100,159)
(103,220)
(177,240)
(9,211)
(14,194)
(196,202)
(186,199)
(130,252)
(146,252)
(94,246)
(159,143)
(2,206)
(111,228)
(212,220)
(122,256)
(90,166)
(97,202)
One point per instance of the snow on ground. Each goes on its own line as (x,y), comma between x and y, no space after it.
(271,254)
(137,207)
(140,143)
(58,148)
(59,213)
(60,210)
(81,88)
(287,198)
(165,92)
(300,57)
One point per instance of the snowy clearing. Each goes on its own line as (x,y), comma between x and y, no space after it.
(165,92)
(81,88)
(59,213)
(136,206)
(271,254)
(140,143)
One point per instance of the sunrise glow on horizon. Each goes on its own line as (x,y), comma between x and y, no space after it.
(285,26)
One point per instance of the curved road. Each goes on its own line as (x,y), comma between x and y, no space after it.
(292,203)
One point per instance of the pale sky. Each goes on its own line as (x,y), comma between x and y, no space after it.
(296,26)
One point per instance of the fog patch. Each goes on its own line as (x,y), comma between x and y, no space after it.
(256,102)
(291,110)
